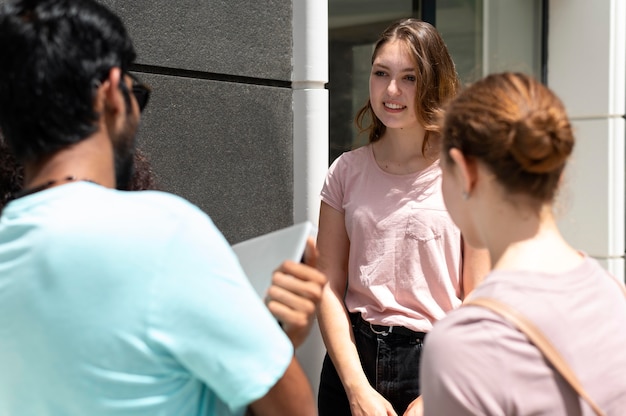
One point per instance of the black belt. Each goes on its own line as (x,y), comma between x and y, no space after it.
(386,330)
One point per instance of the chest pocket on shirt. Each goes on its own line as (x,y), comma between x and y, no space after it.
(426,224)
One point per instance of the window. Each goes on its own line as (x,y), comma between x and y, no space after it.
(483,36)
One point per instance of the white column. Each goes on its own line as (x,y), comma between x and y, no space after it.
(310,136)
(310,105)
(587,69)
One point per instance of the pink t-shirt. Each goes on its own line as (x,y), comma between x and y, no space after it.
(477,363)
(405,251)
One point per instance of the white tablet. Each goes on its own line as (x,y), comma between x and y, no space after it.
(260,256)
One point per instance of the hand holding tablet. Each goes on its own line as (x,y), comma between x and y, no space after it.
(260,256)
(291,289)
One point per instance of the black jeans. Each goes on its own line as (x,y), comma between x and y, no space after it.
(390,361)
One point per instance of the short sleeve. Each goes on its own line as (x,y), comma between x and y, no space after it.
(462,370)
(332,191)
(205,314)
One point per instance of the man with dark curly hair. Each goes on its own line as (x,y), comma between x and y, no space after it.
(114,302)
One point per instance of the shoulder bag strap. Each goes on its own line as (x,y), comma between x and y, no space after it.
(540,341)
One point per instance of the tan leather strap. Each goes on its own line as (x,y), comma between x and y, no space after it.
(540,341)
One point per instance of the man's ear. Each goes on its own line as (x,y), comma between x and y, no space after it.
(110,96)
(467,170)
(114,93)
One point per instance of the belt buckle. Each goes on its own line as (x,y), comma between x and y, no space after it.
(384,332)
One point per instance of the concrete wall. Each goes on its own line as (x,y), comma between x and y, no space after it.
(219,126)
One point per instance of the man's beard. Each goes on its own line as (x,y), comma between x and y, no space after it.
(124,152)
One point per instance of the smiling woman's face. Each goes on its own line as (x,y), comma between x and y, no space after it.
(393,86)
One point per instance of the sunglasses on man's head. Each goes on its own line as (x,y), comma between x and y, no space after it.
(141,92)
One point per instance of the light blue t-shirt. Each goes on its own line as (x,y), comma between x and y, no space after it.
(127,303)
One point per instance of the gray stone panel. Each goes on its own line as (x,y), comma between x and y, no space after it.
(227,147)
(236,37)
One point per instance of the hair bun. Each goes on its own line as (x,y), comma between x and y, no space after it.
(517,127)
(541,142)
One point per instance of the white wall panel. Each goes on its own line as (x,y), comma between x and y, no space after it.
(586,68)
(591,204)
(579,55)
(310,138)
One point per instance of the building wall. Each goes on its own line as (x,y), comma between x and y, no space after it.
(587,69)
(219,126)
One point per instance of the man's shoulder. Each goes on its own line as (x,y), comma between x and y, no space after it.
(158,200)
(165,210)
(96,200)
(146,204)
(137,214)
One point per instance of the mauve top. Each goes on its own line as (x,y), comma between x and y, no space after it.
(477,363)
(405,251)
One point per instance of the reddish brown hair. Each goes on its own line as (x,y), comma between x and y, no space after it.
(517,127)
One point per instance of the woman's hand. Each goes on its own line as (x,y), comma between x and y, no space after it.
(369,402)
(416,408)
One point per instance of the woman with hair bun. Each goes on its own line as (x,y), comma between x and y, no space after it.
(505,141)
